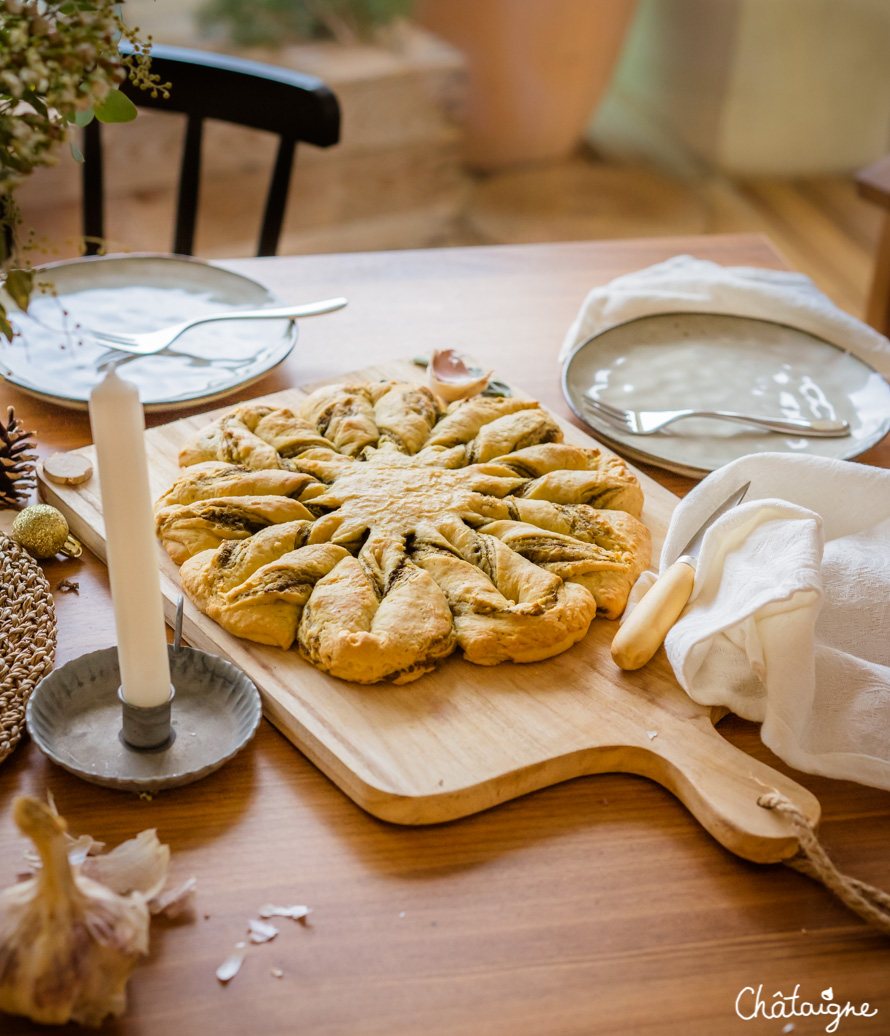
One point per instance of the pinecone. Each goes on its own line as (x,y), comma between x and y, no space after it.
(16,464)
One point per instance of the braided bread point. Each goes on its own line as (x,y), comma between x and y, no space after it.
(380,530)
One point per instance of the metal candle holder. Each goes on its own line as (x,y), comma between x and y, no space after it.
(78,717)
(147,728)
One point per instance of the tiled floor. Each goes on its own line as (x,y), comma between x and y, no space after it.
(819,224)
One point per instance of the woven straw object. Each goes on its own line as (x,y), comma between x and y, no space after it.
(27,637)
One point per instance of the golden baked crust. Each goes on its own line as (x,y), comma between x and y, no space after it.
(380,530)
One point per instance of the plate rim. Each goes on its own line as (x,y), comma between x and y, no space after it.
(180,402)
(678,467)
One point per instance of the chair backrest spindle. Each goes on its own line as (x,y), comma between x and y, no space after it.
(93,188)
(189,188)
(276,199)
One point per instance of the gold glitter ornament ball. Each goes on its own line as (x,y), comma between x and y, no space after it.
(43,532)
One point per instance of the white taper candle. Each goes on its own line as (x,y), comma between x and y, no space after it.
(118,425)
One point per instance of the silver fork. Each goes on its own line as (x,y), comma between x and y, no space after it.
(648,422)
(148,342)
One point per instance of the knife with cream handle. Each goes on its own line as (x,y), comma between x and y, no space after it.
(644,630)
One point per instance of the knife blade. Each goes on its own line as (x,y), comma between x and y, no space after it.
(644,630)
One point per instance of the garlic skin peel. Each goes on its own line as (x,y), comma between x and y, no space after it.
(67,943)
(451,379)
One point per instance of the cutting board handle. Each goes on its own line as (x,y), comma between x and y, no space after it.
(721,785)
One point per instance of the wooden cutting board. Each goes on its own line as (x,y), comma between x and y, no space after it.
(467,737)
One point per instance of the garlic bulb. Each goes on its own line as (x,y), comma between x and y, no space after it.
(450,378)
(67,943)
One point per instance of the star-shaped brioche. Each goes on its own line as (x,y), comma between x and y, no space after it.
(380,530)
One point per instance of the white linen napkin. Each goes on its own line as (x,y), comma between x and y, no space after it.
(684,284)
(789,619)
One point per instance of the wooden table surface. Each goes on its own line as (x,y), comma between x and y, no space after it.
(597,906)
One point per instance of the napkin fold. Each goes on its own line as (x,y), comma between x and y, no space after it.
(684,284)
(789,619)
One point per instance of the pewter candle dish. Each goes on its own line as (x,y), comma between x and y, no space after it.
(74,716)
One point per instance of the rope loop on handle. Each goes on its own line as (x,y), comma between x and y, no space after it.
(870,903)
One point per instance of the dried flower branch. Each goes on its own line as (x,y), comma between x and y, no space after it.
(61,67)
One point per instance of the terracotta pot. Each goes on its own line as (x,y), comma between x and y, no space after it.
(536,68)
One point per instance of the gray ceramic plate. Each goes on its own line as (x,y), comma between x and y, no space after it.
(707,361)
(54,356)
(74,716)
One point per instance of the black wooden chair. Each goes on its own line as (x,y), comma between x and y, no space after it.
(296,107)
